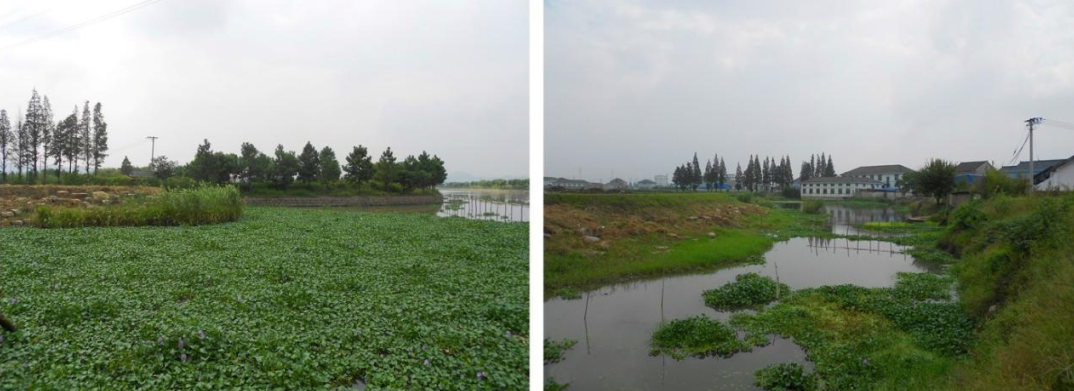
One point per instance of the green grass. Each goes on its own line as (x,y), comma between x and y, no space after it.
(285,298)
(785,377)
(553,350)
(202,205)
(643,257)
(749,290)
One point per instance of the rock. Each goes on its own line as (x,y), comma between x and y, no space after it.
(100,195)
(73,202)
(712,234)
(547,236)
(662,248)
(692,218)
(87,204)
(591,239)
(62,193)
(16,211)
(17,223)
(80,196)
(7,214)
(673,235)
(20,200)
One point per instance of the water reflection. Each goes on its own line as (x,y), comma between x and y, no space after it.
(493,205)
(613,324)
(848,220)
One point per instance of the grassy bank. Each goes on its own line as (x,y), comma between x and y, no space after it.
(201,205)
(594,239)
(281,299)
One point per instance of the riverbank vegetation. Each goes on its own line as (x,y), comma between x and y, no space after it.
(202,205)
(280,299)
(491,184)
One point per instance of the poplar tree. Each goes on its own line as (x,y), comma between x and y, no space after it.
(100,138)
(6,141)
(85,137)
(738,177)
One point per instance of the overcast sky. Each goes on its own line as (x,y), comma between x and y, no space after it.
(446,77)
(638,86)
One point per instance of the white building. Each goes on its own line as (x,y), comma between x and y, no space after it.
(661,180)
(569,184)
(837,187)
(616,184)
(1059,177)
(888,175)
(644,184)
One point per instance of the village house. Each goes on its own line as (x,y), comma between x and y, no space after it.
(569,184)
(616,184)
(887,175)
(1022,169)
(1057,177)
(837,187)
(661,180)
(645,184)
(970,172)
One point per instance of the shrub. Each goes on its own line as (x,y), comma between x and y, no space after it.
(792,193)
(750,290)
(745,197)
(203,205)
(553,350)
(785,377)
(813,207)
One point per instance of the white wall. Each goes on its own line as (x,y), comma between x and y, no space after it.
(1062,179)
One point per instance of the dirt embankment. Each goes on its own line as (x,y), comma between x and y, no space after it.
(18,202)
(602,225)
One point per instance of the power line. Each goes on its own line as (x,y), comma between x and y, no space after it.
(98,19)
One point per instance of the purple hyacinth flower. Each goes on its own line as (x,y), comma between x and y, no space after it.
(357,333)
(239,298)
(183,357)
(201,335)
(508,333)
(2,340)
(181,344)
(160,340)
(480,375)
(426,362)
(410,350)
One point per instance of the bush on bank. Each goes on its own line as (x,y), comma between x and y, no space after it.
(196,206)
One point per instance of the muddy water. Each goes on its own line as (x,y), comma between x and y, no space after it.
(846,220)
(613,324)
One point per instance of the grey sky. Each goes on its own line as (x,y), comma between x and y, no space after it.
(447,77)
(638,86)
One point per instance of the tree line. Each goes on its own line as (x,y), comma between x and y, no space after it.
(759,175)
(284,168)
(76,139)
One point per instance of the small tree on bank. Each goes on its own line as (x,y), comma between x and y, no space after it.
(163,168)
(330,171)
(309,166)
(126,168)
(936,179)
(359,167)
(385,168)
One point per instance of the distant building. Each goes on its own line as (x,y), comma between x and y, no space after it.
(645,184)
(661,180)
(1022,169)
(837,187)
(1058,177)
(887,175)
(569,184)
(971,172)
(616,184)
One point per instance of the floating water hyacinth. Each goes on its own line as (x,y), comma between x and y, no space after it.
(508,334)
(160,340)
(12,301)
(358,333)
(239,298)
(2,340)
(426,362)
(182,357)
(201,335)
(481,376)
(181,344)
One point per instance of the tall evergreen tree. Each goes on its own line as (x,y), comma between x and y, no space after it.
(33,129)
(126,168)
(248,166)
(766,175)
(285,167)
(385,170)
(359,167)
(739,177)
(86,137)
(709,175)
(74,141)
(309,165)
(330,171)
(47,131)
(62,141)
(829,168)
(205,167)
(21,142)
(100,138)
(7,138)
(722,178)
(695,177)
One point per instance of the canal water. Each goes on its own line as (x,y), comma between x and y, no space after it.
(493,205)
(613,324)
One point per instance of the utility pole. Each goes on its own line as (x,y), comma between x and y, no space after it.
(1030,123)
(153,150)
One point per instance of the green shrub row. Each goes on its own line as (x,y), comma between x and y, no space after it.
(201,205)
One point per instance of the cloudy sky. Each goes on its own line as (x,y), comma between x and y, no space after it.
(446,77)
(636,87)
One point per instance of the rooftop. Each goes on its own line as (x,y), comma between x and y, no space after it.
(840,179)
(873,170)
(966,167)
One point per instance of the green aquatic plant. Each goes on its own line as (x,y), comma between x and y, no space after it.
(785,377)
(285,298)
(553,350)
(749,290)
(698,335)
(813,207)
(200,205)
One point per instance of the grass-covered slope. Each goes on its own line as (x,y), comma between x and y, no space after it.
(1017,276)
(283,298)
(593,239)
